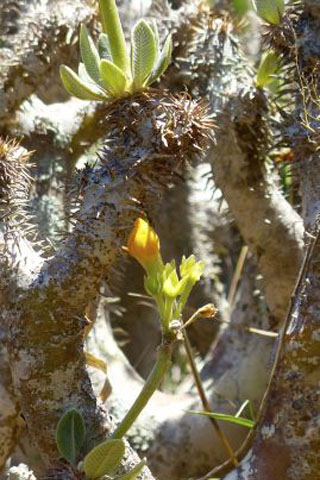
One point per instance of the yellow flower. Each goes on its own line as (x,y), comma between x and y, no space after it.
(144,245)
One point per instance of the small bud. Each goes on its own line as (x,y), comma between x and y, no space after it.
(144,245)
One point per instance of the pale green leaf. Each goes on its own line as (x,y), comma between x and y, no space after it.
(270,10)
(83,74)
(79,88)
(70,435)
(143,53)
(104,47)
(113,78)
(163,61)
(112,27)
(89,54)
(244,422)
(156,33)
(132,474)
(267,69)
(103,458)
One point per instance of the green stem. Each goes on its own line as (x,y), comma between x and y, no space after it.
(111,25)
(156,376)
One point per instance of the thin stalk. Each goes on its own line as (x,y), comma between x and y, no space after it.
(204,400)
(237,274)
(156,376)
(111,25)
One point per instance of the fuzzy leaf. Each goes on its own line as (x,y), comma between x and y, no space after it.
(132,474)
(143,53)
(77,87)
(103,458)
(89,54)
(104,47)
(270,10)
(244,422)
(83,74)
(267,69)
(70,435)
(156,33)
(163,61)
(114,80)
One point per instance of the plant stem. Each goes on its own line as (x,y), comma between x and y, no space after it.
(156,376)
(204,400)
(111,25)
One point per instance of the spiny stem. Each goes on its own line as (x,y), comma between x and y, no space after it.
(156,376)
(204,400)
(112,27)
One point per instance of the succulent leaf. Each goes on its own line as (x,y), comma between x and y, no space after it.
(104,47)
(83,74)
(143,53)
(267,69)
(89,54)
(163,61)
(270,10)
(103,458)
(79,88)
(114,80)
(156,33)
(70,435)
(132,474)
(111,25)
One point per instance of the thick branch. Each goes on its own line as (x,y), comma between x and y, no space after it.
(213,67)
(46,321)
(288,444)
(46,40)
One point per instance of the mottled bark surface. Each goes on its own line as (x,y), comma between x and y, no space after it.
(288,441)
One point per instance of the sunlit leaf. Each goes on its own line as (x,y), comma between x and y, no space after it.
(77,87)
(134,472)
(70,435)
(143,53)
(155,32)
(89,54)
(83,74)
(244,422)
(112,77)
(267,69)
(162,62)
(104,47)
(103,458)
(270,10)
(112,27)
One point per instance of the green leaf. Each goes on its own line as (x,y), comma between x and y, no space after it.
(162,62)
(89,54)
(104,47)
(244,422)
(268,67)
(143,53)
(79,88)
(70,435)
(132,474)
(155,32)
(270,10)
(112,27)
(114,80)
(241,6)
(103,458)
(83,74)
